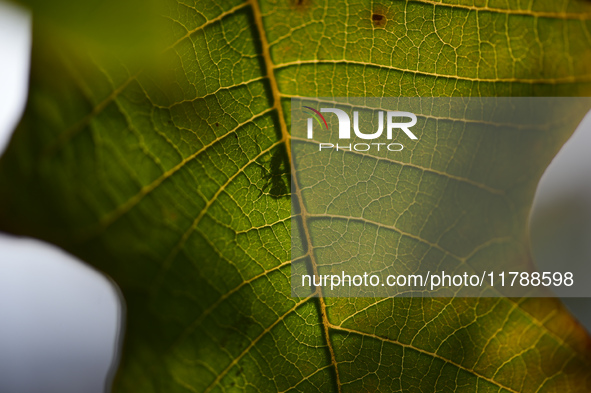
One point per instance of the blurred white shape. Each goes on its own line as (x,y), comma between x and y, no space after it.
(15,48)
(59,321)
(561,216)
(569,173)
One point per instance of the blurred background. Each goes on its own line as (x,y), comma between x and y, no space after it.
(60,320)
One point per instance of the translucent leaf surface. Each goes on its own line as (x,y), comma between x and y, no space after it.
(172,176)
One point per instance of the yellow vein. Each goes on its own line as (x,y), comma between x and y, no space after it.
(541,325)
(213,93)
(431,354)
(114,215)
(546,126)
(551,81)
(446,175)
(225,296)
(270,67)
(188,232)
(306,378)
(210,22)
(536,14)
(253,343)
(390,227)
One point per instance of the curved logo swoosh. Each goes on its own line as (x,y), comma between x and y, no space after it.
(317,115)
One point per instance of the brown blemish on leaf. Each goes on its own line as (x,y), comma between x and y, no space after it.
(379,16)
(378,20)
(300,5)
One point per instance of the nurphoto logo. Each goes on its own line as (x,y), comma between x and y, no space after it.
(392,122)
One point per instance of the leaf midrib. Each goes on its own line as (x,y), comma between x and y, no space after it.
(286,139)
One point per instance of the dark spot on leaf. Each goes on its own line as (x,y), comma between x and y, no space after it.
(217,124)
(378,20)
(300,5)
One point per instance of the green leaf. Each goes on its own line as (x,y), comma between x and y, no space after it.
(171,175)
